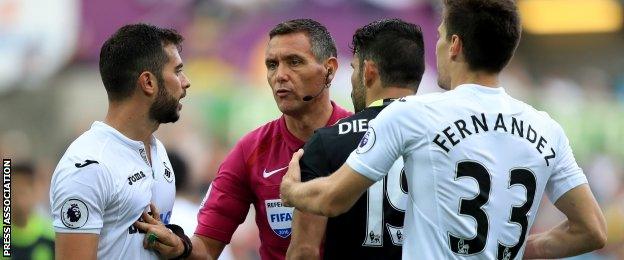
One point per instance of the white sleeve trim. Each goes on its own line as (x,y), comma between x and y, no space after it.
(571,183)
(71,230)
(363,169)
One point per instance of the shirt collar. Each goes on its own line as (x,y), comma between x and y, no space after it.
(102,127)
(480,88)
(382,102)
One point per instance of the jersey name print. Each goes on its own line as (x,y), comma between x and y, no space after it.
(480,124)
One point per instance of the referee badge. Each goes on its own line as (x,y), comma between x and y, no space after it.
(279,217)
(367,141)
(74,213)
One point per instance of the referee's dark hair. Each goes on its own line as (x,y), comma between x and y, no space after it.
(397,48)
(323,45)
(489,30)
(130,51)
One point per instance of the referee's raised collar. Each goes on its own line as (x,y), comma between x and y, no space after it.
(108,130)
(480,89)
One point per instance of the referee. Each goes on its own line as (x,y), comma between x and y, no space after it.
(388,63)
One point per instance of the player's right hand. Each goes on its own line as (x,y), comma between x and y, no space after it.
(167,244)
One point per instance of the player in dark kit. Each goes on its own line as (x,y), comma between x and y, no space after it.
(387,64)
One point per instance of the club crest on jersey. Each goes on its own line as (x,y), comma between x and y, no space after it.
(168,173)
(279,217)
(74,213)
(367,141)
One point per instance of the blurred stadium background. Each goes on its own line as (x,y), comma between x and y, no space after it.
(570,63)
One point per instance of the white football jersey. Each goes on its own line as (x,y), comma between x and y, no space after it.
(103,183)
(477,162)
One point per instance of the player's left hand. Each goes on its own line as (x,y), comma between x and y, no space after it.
(293,176)
(166,243)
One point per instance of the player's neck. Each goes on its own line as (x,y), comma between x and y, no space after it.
(486,79)
(387,92)
(131,120)
(302,126)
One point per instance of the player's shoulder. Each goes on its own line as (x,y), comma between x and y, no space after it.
(90,152)
(538,115)
(418,101)
(89,145)
(160,147)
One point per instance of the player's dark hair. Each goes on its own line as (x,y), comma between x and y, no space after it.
(180,169)
(323,45)
(489,30)
(130,51)
(396,47)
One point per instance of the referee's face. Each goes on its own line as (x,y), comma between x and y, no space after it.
(293,72)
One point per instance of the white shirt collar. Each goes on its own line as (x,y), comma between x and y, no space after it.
(481,89)
(104,128)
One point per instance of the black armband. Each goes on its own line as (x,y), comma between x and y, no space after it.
(188,245)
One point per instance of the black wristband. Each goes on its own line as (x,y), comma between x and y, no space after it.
(188,245)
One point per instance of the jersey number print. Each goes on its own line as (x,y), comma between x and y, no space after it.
(474,208)
(395,189)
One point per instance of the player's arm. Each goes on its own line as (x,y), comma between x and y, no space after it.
(328,196)
(76,246)
(308,231)
(223,210)
(583,231)
(170,245)
(78,196)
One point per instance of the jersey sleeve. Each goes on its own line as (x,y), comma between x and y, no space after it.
(227,200)
(78,198)
(381,145)
(566,173)
(314,162)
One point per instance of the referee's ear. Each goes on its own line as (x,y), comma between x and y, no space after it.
(331,66)
(147,83)
(371,73)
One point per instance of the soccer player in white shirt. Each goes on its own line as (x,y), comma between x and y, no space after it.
(477,160)
(109,175)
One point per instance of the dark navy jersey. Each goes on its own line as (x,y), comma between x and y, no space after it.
(373,227)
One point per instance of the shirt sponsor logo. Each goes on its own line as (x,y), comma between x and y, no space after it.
(266,174)
(74,213)
(279,217)
(367,141)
